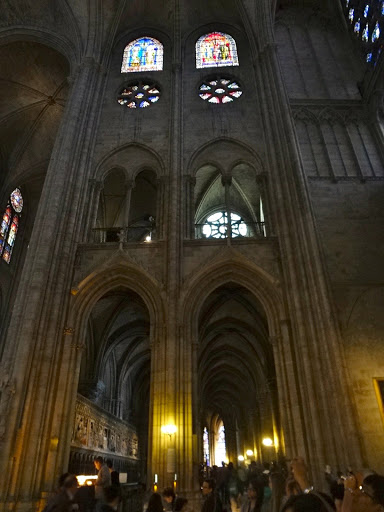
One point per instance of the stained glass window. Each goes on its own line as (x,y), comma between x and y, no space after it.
(206,446)
(144,54)
(220,451)
(10,224)
(139,95)
(367,20)
(216,225)
(220,90)
(216,49)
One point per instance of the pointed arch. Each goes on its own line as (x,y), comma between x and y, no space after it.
(143,54)
(216,49)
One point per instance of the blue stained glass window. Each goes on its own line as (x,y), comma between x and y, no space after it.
(144,54)
(10,224)
(366,20)
(376,32)
(215,50)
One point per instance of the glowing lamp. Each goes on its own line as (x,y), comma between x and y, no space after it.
(249,453)
(169,429)
(267,441)
(86,479)
(148,238)
(241,458)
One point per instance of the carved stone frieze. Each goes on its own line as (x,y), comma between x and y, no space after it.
(96,430)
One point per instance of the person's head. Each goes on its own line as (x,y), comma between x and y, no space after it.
(370,498)
(112,496)
(255,492)
(168,494)
(180,504)
(155,503)
(109,463)
(98,462)
(311,502)
(208,486)
(70,484)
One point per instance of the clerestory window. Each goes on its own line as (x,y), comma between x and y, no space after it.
(216,225)
(366,20)
(10,224)
(216,50)
(143,54)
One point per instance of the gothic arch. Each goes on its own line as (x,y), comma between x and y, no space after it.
(232,269)
(120,157)
(207,152)
(45,37)
(108,278)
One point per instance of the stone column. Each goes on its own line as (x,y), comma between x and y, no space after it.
(227,181)
(189,208)
(129,185)
(95,187)
(329,427)
(34,343)
(262,182)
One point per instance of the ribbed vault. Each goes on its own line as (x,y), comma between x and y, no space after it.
(235,367)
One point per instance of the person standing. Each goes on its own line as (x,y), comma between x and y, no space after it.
(212,501)
(103,478)
(114,474)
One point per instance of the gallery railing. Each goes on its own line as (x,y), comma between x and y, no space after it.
(119,234)
(239,230)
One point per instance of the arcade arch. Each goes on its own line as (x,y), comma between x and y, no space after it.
(235,373)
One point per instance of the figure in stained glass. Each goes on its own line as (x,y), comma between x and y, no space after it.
(144,54)
(10,224)
(216,49)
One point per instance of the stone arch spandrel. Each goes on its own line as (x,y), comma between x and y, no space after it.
(134,157)
(225,154)
(108,277)
(232,268)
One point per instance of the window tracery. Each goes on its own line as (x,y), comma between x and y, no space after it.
(143,54)
(216,225)
(139,94)
(10,224)
(220,90)
(366,18)
(215,50)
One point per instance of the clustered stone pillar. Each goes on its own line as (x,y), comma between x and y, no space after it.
(33,354)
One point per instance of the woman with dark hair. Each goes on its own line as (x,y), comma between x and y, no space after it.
(155,503)
(255,497)
(311,502)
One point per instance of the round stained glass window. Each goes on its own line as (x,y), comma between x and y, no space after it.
(220,90)
(17,200)
(216,226)
(139,95)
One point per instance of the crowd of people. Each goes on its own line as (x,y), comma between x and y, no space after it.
(259,488)
(287,488)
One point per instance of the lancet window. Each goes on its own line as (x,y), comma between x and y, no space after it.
(215,50)
(143,54)
(10,224)
(366,19)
